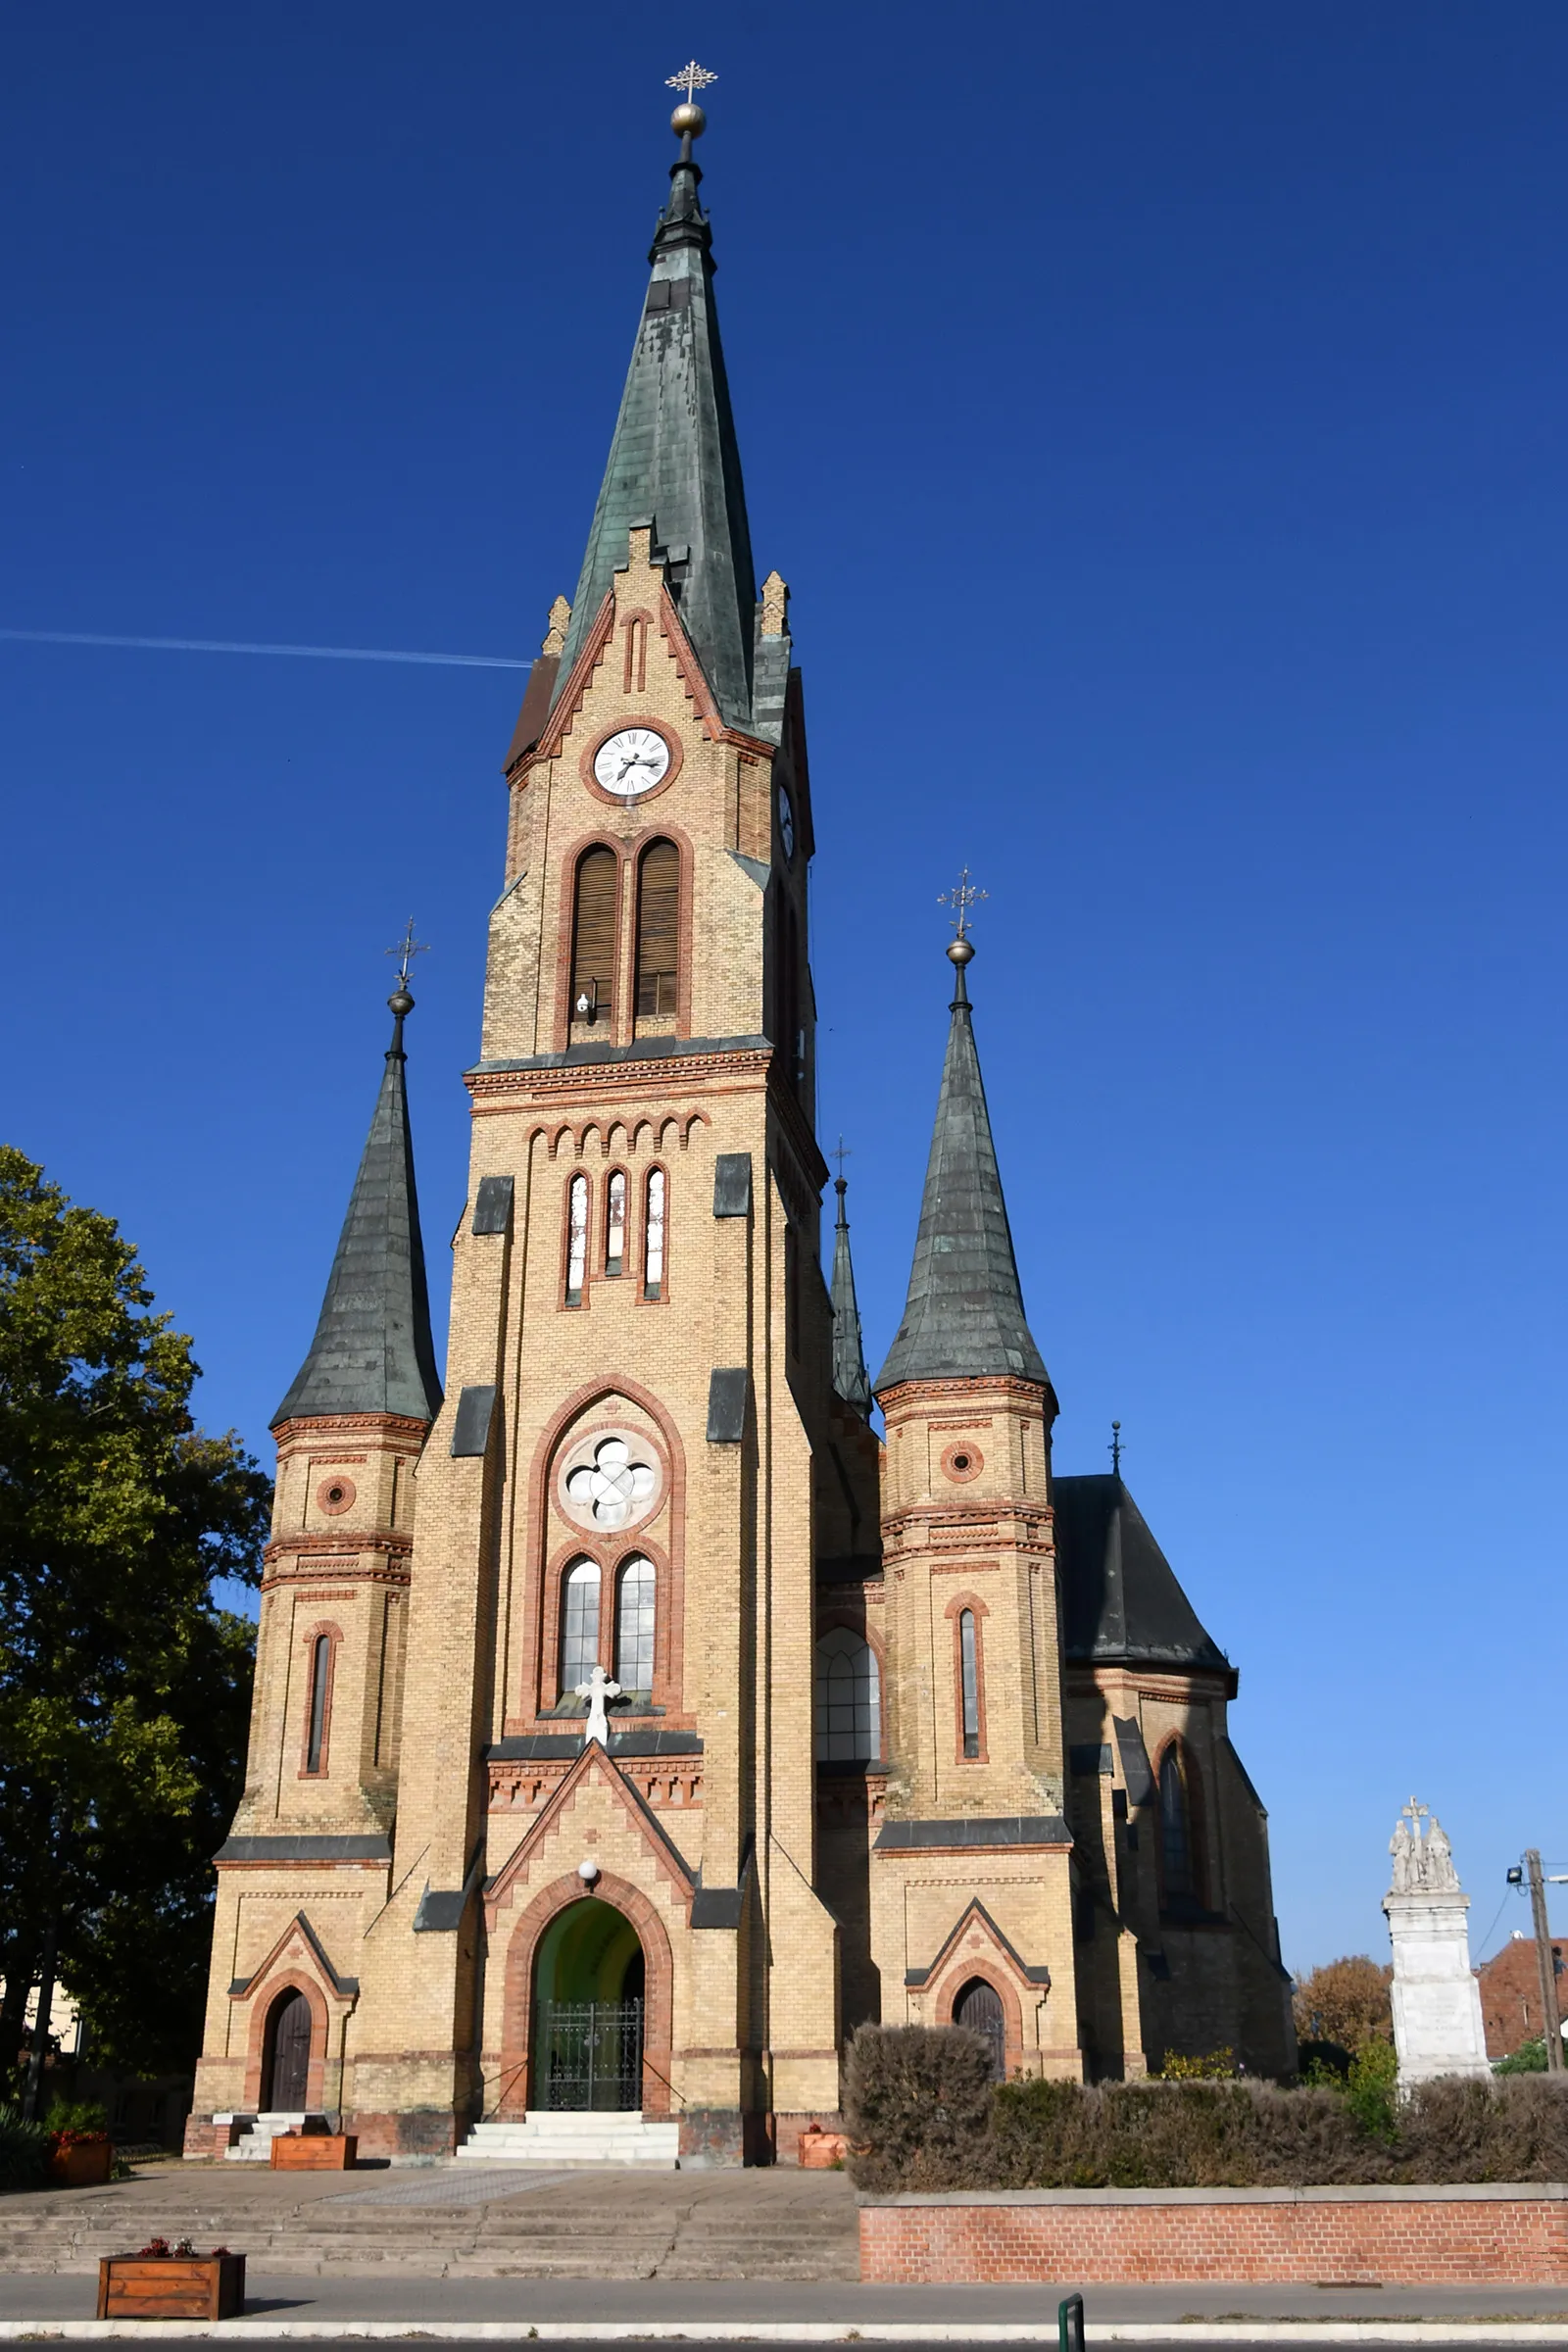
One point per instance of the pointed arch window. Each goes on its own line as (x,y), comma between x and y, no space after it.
(576,1239)
(615,1223)
(1177,1877)
(654,1237)
(849,1698)
(593,938)
(634,1626)
(321,1701)
(969,1681)
(580,1624)
(658,928)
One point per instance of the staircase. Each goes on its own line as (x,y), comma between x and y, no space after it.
(255,2145)
(573,2136)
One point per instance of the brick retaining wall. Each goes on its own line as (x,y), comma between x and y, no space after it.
(1515,2237)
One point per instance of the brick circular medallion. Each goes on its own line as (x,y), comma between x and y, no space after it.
(964,1462)
(609,1481)
(631,728)
(335,1495)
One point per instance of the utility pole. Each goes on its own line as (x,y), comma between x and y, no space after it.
(1545,1962)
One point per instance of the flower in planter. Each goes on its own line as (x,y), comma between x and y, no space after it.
(156,2250)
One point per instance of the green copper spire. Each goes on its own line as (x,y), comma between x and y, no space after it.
(373,1350)
(964,1316)
(674,462)
(848,1356)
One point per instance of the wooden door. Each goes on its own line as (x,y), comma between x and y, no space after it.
(979,2007)
(286,2086)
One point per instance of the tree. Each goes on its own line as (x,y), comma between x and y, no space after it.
(123,1686)
(1346,2002)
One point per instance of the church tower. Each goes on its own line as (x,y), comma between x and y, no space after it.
(971,1871)
(604,1792)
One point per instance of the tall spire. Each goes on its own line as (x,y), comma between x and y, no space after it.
(373,1350)
(673,460)
(964,1316)
(848,1356)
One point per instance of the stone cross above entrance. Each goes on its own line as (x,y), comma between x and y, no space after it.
(597,1690)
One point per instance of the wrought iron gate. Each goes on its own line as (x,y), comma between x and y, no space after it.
(591,2054)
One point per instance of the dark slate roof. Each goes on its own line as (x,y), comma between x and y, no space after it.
(373,1350)
(848,1356)
(675,463)
(964,1313)
(1121,1596)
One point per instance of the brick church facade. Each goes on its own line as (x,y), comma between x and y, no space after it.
(630,1720)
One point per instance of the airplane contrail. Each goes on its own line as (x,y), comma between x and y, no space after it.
(214,645)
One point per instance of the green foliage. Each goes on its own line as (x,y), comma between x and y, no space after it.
(82,2118)
(1530,2058)
(23,2148)
(1031,2134)
(1370,2088)
(917,2103)
(1216,2065)
(123,1688)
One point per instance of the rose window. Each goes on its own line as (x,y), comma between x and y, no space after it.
(609,1482)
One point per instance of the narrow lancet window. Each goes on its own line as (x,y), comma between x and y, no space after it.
(654,1237)
(634,1626)
(849,1698)
(593,939)
(969,1680)
(616,1224)
(1175,1830)
(579,1625)
(576,1239)
(658,928)
(320,1679)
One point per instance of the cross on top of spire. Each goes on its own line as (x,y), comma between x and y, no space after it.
(842,1154)
(691,78)
(961,900)
(406,949)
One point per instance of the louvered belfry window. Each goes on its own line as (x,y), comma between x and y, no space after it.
(593,938)
(658,928)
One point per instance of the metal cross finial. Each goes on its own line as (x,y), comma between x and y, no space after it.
(841,1154)
(1114,1448)
(406,949)
(960,901)
(691,77)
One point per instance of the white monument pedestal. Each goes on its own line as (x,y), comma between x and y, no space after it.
(1437,2001)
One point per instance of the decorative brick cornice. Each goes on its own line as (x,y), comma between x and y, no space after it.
(912,1396)
(637,1079)
(351,1425)
(340,1544)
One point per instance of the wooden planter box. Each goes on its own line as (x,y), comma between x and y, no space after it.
(86,2166)
(170,2286)
(315,2151)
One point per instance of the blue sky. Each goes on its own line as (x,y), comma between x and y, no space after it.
(1156,413)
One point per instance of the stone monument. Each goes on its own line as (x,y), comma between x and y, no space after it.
(1437,2001)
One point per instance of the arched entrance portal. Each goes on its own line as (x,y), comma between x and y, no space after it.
(588,1995)
(287,2055)
(979,2007)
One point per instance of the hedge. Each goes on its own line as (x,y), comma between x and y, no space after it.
(922,2113)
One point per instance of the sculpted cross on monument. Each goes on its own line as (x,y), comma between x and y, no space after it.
(597,1690)
(1422,1864)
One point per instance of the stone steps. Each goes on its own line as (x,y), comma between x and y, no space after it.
(574,2140)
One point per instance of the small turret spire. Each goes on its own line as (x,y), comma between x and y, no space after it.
(373,1351)
(964,1316)
(849,1379)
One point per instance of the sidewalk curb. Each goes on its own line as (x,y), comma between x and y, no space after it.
(803,2332)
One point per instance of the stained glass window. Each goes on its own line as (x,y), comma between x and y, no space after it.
(579,1625)
(634,1626)
(849,1698)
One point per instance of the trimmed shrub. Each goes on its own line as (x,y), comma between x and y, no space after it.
(922,2114)
(917,2106)
(22,2147)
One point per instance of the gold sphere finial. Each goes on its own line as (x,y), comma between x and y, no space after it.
(688,122)
(961,952)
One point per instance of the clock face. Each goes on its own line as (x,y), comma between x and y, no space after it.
(786,822)
(632,761)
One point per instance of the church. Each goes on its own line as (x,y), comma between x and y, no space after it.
(631,1721)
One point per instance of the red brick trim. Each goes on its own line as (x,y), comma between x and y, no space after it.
(571,694)
(263,2003)
(353,1424)
(962,1461)
(516,2059)
(571,860)
(336,1494)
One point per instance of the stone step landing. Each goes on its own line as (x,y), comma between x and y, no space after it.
(563,2140)
(255,2145)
